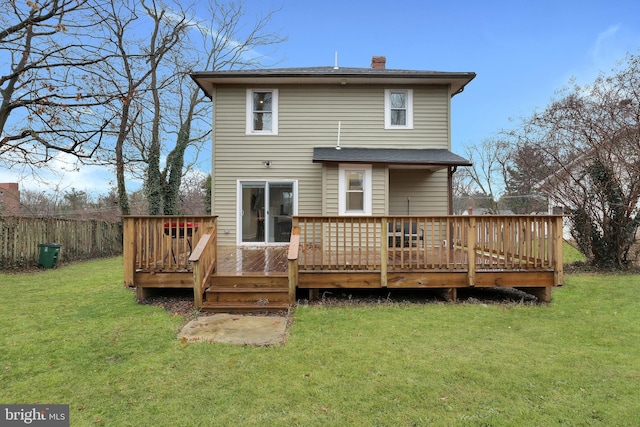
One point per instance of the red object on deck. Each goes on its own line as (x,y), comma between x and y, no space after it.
(180,229)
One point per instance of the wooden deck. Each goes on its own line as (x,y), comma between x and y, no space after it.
(249,279)
(250,260)
(273,260)
(447,253)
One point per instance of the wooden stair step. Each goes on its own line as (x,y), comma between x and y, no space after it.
(250,298)
(252,292)
(250,281)
(247,294)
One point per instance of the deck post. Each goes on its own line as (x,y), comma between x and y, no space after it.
(294,248)
(471,252)
(293,281)
(558,268)
(543,294)
(129,250)
(384,252)
(450,294)
(142,293)
(197,286)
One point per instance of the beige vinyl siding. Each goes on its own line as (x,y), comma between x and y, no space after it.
(331,193)
(308,118)
(379,194)
(426,191)
(313,113)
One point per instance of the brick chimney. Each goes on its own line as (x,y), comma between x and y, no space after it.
(378,62)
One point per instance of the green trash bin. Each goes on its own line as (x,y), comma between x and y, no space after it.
(49,253)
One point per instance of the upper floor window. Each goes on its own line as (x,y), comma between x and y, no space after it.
(354,187)
(398,109)
(262,111)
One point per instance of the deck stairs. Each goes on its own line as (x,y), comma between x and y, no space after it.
(247,292)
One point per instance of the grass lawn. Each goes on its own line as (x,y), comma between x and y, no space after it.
(570,254)
(75,335)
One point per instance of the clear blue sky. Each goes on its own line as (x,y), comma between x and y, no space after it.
(522,51)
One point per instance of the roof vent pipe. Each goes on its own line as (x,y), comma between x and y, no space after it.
(335,61)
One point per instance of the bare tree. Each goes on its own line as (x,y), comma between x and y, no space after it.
(33,203)
(225,43)
(107,81)
(133,75)
(522,195)
(49,99)
(486,179)
(158,99)
(193,196)
(156,184)
(462,188)
(585,151)
(171,177)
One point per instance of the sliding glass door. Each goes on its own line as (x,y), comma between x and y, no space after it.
(265,210)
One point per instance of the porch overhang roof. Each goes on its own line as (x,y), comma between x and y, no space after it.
(431,158)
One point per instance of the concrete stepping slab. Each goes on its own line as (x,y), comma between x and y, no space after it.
(236,329)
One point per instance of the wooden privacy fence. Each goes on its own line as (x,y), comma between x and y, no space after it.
(80,239)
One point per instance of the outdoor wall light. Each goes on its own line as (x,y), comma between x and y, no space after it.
(267,163)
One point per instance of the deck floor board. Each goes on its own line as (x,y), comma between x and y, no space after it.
(252,260)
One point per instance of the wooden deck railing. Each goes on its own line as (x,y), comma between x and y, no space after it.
(410,251)
(204,261)
(443,243)
(161,243)
(516,242)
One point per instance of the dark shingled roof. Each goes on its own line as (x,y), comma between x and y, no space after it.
(324,71)
(207,80)
(396,156)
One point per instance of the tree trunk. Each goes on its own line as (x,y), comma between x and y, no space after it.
(175,160)
(123,199)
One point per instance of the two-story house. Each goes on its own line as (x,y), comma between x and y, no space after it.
(328,141)
(333,177)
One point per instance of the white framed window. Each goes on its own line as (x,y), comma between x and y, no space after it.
(398,109)
(262,111)
(354,188)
